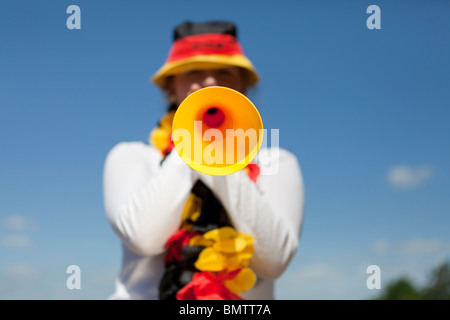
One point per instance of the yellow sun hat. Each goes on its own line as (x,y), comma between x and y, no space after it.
(209,45)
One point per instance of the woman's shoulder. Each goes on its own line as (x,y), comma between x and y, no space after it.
(275,154)
(133,149)
(270,160)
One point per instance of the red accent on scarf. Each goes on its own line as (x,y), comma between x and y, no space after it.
(205,286)
(253,171)
(176,243)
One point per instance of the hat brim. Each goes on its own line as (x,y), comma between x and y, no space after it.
(214,61)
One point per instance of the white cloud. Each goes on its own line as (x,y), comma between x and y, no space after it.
(315,272)
(407,177)
(413,258)
(23,280)
(16,222)
(381,246)
(20,271)
(412,246)
(314,281)
(17,225)
(19,241)
(346,277)
(422,246)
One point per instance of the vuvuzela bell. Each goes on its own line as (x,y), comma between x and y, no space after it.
(217,131)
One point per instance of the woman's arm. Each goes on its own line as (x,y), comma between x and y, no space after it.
(143,199)
(270,211)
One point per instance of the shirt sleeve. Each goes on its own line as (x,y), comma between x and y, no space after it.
(271,211)
(143,200)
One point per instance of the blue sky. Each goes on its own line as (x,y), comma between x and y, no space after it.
(365,111)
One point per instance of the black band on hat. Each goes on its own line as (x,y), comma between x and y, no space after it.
(189,28)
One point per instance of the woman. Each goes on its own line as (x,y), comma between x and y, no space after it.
(188,235)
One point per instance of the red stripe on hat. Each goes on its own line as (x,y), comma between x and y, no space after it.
(205,44)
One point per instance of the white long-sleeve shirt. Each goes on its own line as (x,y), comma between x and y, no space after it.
(144,201)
